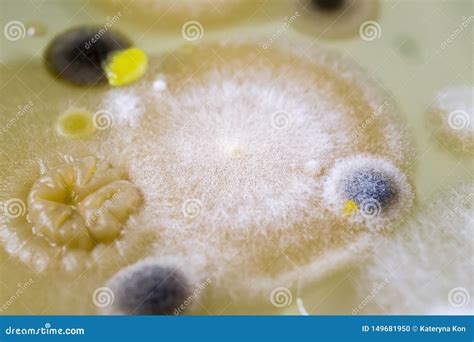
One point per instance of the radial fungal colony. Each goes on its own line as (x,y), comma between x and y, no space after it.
(252,176)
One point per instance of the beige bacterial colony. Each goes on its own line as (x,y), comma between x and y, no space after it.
(227,165)
(173,14)
(325,19)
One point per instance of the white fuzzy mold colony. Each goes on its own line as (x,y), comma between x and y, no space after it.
(452,116)
(231,159)
(427,268)
(124,106)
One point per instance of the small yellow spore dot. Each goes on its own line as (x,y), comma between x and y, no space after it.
(350,208)
(126,66)
(76,124)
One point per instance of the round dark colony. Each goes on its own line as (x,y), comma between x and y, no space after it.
(77,55)
(152,290)
(370,185)
(327,5)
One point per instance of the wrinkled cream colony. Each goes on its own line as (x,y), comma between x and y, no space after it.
(80,204)
(241,167)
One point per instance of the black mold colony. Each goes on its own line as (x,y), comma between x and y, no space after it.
(152,290)
(77,55)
